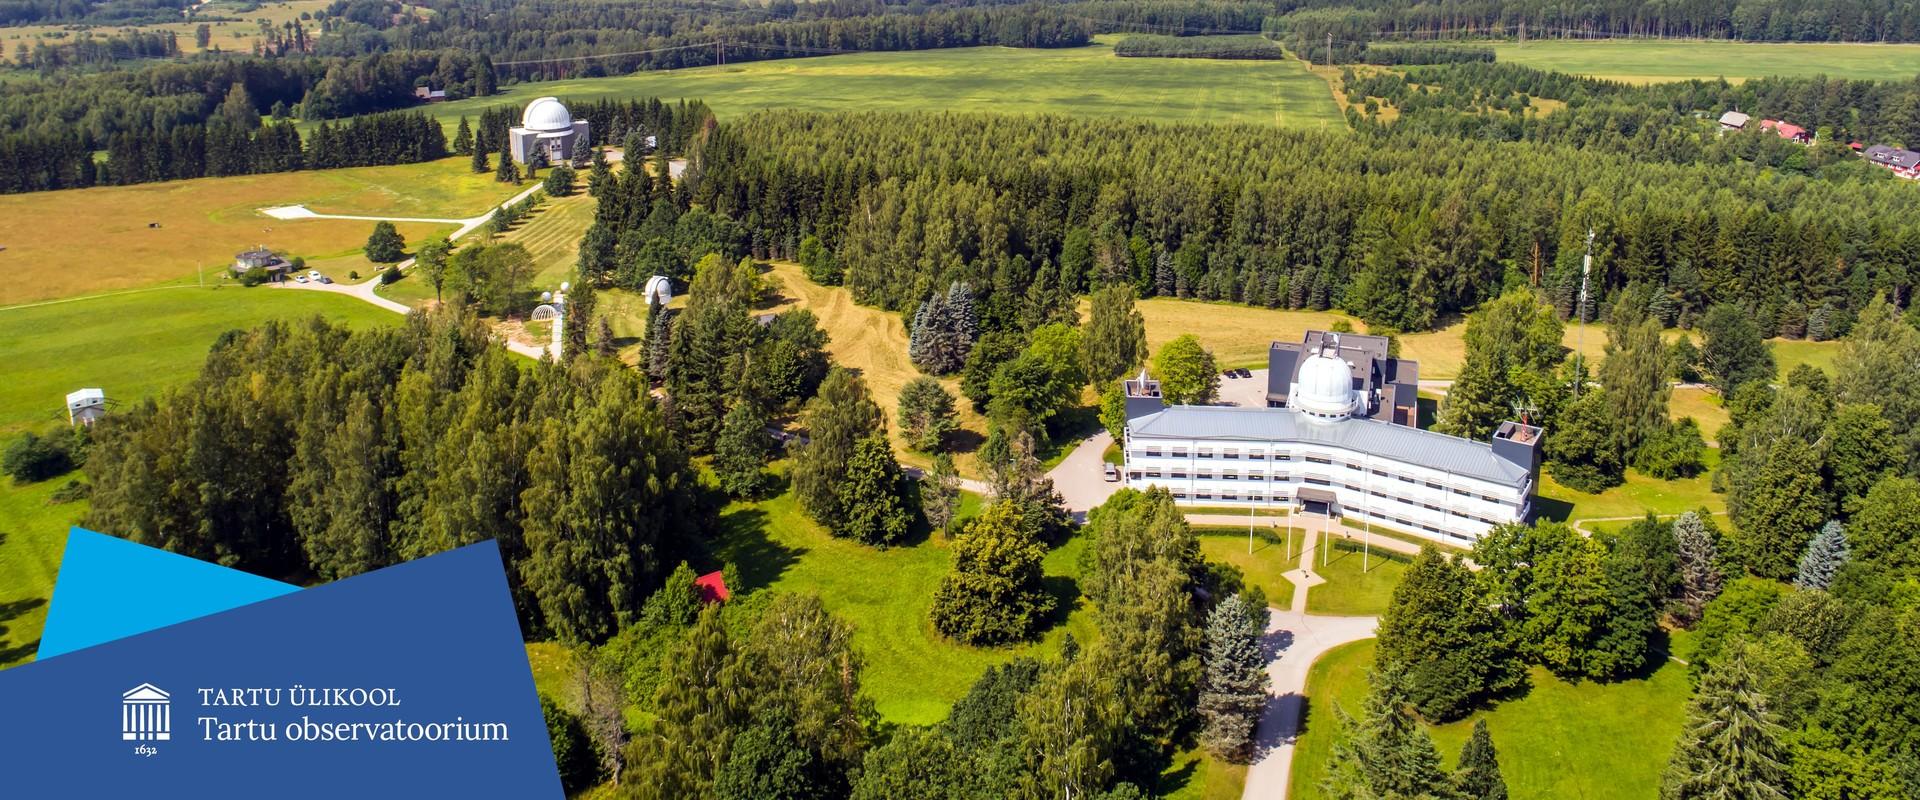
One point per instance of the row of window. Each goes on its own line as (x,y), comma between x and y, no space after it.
(1258,475)
(1310,459)
(1411,526)
(1229,496)
(1202,492)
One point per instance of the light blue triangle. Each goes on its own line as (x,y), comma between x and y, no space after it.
(110,588)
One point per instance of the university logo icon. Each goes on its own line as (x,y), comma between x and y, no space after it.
(145,714)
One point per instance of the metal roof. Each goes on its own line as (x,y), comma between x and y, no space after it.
(1372,437)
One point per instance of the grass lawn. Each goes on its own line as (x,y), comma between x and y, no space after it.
(1790,353)
(1195,775)
(1587,740)
(134,345)
(63,346)
(1081,81)
(1637,496)
(203,222)
(1265,567)
(1643,61)
(1359,582)
(913,675)
(237,35)
(33,534)
(552,234)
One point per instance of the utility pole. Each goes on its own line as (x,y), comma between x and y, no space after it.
(1580,313)
(1329,48)
(1523,33)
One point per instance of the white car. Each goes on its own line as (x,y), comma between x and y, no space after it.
(299,279)
(313,275)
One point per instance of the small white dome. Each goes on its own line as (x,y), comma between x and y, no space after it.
(1325,387)
(546,114)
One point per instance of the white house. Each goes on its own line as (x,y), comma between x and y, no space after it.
(1317,455)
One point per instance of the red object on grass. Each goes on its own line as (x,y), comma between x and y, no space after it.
(712,588)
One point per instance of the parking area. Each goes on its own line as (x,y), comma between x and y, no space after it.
(1249,392)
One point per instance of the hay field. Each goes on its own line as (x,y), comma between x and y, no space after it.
(1081,81)
(1651,61)
(236,35)
(87,241)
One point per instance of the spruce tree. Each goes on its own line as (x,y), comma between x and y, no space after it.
(508,172)
(1732,746)
(1507,340)
(1700,576)
(926,414)
(1385,753)
(1233,691)
(1478,777)
(1825,555)
(741,453)
(479,162)
(463,138)
(658,360)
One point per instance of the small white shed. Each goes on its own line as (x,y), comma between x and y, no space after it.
(86,405)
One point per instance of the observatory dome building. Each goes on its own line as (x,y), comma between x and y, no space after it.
(548,133)
(1338,436)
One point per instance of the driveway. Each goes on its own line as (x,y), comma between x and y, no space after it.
(1079,477)
(1245,392)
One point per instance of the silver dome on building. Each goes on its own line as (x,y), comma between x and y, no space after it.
(1324,388)
(546,114)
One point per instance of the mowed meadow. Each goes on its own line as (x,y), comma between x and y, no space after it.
(107,238)
(1080,81)
(1658,61)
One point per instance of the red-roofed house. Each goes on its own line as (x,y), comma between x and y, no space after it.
(712,588)
(1787,130)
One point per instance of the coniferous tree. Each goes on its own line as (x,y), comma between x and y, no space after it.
(1385,753)
(740,455)
(1778,501)
(1700,575)
(479,162)
(508,171)
(463,138)
(926,414)
(995,592)
(1507,340)
(1732,744)
(1478,777)
(658,359)
(1825,555)
(1635,376)
(940,493)
(1233,692)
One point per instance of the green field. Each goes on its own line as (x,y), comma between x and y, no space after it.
(1360,580)
(1264,567)
(1646,61)
(1598,741)
(134,346)
(1082,81)
(913,674)
(1637,496)
(136,236)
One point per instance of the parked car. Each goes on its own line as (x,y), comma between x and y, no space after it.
(325,279)
(299,279)
(1110,472)
(314,275)
(1245,373)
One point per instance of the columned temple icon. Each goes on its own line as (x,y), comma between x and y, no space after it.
(146,714)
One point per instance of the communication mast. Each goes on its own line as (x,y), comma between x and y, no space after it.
(1580,313)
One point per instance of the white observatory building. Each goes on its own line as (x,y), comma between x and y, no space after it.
(1329,449)
(549,132)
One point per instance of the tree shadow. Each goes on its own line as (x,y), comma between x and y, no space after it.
(1551,509)
(1066,598)
(961,440)
(1427,411)
(744,543)
(12,610)
(1174,780)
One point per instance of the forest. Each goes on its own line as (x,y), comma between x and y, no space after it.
(1403,236)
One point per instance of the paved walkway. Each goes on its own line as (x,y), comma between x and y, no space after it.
(1296,639)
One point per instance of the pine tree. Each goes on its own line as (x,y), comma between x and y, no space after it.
(1825,555)
(1478,777)
(659,345)
(1233,693)
(463,138)
(741,453)
(604,343)
(479,162)
(1731,746)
